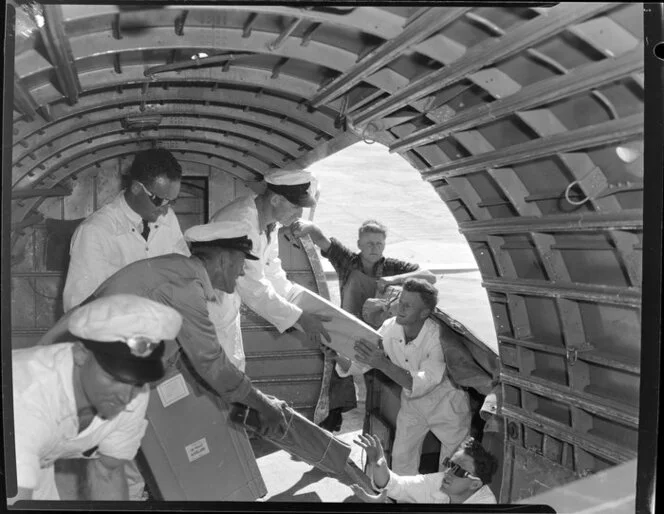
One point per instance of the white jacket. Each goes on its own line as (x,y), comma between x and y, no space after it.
(46,420)
(108,240)
(423,357)
(264,288)
(426,489)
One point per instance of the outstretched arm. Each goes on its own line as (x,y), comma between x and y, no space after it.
(302,228)
(396,280)
(371,355)
(375,459)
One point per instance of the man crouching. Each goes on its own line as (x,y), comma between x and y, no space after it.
(462,478)
(88,398)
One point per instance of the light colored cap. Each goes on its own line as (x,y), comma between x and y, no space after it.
(284,177)
(224,234)
(125,317)
(217,230)
(297,186)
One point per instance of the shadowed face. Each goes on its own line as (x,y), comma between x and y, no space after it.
(411,309)
(455,485)
(154,200)
(105,394)
(371,245)
(284,211)
(230,267)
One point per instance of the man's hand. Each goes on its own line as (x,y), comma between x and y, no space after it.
(329,352)
(371,445)
(106,480)
(343,362)
(369,498)
(382,284)
(312,325)
(271,415)
(301,228)
(368,353)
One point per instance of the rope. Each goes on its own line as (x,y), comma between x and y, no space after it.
(329,443)
(290,421)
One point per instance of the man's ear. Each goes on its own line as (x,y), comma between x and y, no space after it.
(475,484)
(80,353)
(424,314)
(134,187)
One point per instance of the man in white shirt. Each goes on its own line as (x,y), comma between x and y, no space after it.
(88,398)
(137,224)
(265,288)
(463,477)
(412,356)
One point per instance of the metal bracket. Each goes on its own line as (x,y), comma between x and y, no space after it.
(593,183)
(571,353)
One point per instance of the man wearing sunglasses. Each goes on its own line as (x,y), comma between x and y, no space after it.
(87,398)
(137,224)
(462,478)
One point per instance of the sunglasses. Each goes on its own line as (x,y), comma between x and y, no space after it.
(158,201)
(457,470)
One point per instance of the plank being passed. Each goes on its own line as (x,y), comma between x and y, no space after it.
(344,328)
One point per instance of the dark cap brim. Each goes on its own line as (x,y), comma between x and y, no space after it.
(297,194)
(130,369)
(306,200)
(250,256)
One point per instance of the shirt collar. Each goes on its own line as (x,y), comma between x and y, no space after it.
(131,219)
(422,336)
(482,493)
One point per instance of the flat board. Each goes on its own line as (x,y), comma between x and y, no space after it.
(344,328)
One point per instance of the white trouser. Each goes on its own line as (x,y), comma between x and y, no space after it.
(445,411)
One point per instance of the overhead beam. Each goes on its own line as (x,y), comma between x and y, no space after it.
(629,219)
(628,296)
(418,30)
(59,52)
(43,192)
(24,102)
(529,34)
(583,79)
(276,44)
(587,137)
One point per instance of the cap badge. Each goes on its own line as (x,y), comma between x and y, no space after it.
(141,347)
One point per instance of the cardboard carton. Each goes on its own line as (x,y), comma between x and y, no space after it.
(191,449)
(344,329)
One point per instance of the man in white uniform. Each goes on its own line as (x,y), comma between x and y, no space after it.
(138,223)
(463,478)
(88,398)
(412,356)
(264,288)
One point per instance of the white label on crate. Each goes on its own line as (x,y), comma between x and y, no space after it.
(197,449)
(172,390)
